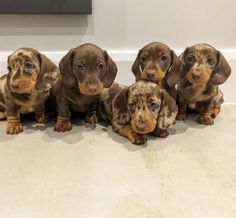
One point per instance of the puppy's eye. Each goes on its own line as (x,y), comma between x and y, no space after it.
(132,106)
(153,105)
(163,58)
(80,66)
(210,60)
(144,59)
(9,68)
(101,66)
(190,59)
(28,65)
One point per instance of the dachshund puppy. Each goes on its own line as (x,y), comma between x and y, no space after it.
(137,110)
(157,63)
(204,69)
(30,79)
(85,71)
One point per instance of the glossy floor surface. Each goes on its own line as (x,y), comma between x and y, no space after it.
(97,174)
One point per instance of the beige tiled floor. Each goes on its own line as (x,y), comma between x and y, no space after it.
(97,174)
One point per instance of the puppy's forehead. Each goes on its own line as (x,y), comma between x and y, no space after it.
(155,47)
(89,51)
(202,49)
(23,53)
(143,88)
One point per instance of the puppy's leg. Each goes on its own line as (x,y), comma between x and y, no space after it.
(205,116)
(40,115)
(128,132)
(91,116)
(182,109)
(63,123)
(215,111)
(14,125)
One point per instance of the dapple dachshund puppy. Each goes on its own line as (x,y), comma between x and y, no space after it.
(157,63)
(30,79)
(85,71)
(137,110)
(204,69)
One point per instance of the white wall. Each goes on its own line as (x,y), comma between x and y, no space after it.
(127,25)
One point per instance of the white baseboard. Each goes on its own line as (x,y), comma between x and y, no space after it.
(124,60)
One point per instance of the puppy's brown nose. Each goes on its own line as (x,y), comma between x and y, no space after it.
(196,76)
(151,73)
(93,88)
(15,84)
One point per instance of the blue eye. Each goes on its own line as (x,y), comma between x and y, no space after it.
(28,65)
(153,105)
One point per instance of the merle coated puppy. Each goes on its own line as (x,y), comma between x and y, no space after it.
(157,63)
(85,71)
(28,84)
(137,110)
(204,69)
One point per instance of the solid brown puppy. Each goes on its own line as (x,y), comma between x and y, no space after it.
(203,70)
(85,71)
(157,63)
(137,110)
(31,76)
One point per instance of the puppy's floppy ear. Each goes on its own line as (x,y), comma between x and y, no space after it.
(136,68)
(48,74)
(66,69)
(120,107)
(111,71)
(174,73)
(222,70)
(168,110)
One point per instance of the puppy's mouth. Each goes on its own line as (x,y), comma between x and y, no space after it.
(91,89)
(198,77)
(152,75)
(143,127)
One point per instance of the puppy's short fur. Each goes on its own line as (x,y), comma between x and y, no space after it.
(85,71)
(157,63)
(204,68)
(30,79)
(137,110)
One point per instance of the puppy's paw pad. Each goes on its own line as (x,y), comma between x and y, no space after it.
(63,126)
(206,120)
(14,128)
(181,116)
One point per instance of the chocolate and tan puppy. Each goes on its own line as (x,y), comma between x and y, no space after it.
(85,71)
(30,79)
(157,63)
(137,110)
(203,70)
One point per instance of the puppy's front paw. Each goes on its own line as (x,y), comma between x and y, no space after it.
(41,118)
(205,119)
(181,116)
(92,118)
(162,133)
(63,124)
(215,111)
(14,128)
(136,138)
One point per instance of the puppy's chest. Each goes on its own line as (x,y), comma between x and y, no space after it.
(193,94)
(29,103)
(83,103)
